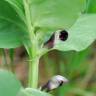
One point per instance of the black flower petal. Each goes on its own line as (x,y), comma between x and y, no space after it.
(63,35)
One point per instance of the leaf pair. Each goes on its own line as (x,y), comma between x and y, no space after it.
(47,16)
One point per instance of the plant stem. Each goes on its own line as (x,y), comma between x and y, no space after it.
(33,73)
(28,19)
(33,50)
(4,59)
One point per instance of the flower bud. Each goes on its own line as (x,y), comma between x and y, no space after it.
(54,83)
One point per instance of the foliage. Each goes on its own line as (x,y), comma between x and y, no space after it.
(25,22)
(9,84)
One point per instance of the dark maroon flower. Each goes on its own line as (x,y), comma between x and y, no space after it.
(63,35)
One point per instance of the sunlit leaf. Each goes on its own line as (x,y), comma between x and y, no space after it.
(81,34)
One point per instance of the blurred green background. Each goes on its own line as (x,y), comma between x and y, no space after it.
(78,67)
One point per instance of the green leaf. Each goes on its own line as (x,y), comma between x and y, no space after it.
(91,6)
(32,92)
(51,15)
(47,15)
(9,85)
(12,28)
(18,6)
(81,34)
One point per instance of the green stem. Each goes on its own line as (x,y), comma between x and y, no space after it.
(33,65)
(28,18)
(33,49)
(33,73)
(4,59)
